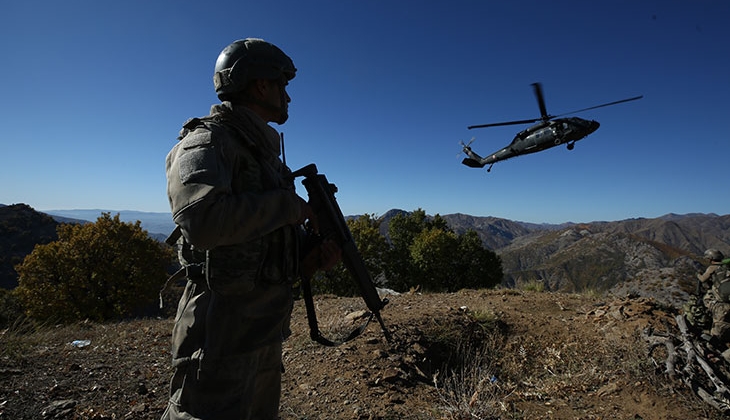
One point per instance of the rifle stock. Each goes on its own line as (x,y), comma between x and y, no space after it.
(332,225)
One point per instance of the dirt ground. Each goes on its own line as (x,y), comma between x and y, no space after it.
(468,355)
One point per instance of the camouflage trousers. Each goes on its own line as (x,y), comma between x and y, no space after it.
(248,388)
(720,319)
(226,350)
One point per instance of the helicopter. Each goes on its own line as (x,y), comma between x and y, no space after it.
(550,131)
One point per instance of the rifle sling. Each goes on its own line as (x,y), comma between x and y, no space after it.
(314,332)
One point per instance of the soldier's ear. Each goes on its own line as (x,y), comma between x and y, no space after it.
(259,88)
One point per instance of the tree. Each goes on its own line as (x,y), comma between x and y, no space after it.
(423,252)
(432,253)
(103,270)
(426,252)
(402,231)
(372,246)
(477,266)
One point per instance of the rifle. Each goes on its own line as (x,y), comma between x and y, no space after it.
(332,225)
(700,294)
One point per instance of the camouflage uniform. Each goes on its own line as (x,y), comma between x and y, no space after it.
(231,195)
(714,276)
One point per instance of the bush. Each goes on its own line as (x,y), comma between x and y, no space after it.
(422,253)
(372,247)
(425,252)
(99,271)
(10,308)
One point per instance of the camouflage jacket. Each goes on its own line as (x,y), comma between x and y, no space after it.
(714,276)
(234,200)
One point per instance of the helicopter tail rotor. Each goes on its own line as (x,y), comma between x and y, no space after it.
(465,147)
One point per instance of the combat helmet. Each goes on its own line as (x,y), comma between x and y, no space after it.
(714,255)
(249,59)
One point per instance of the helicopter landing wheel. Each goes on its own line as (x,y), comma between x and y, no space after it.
(571,146)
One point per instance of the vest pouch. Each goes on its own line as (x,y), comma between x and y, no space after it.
(724,290)
(232,282)
(235,271)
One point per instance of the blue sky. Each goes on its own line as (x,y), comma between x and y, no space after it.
(93,94)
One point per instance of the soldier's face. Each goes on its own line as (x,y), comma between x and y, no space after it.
(277,96)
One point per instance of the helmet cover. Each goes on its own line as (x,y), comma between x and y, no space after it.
(714,255)
(249,59)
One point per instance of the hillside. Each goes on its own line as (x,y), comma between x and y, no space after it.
(500,354)
(21,228)
(508,353)
(651,257)
(654,258)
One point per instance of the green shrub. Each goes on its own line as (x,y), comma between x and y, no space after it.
(10,308)
(99,271)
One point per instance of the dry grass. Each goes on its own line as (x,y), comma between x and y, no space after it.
(486,379)
(506,354)
(472,389)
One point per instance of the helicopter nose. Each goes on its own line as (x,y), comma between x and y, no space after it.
(593,126)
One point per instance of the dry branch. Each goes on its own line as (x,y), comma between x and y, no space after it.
(686,359)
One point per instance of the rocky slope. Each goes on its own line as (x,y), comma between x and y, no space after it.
(651,257)
(498,354)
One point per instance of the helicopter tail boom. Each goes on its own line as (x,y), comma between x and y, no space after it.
(472,163)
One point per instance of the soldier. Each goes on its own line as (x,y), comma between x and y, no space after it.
(240,218)
(717,298)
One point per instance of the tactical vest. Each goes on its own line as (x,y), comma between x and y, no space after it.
(272,258)
(721,284)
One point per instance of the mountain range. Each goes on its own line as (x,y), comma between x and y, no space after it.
(655,257)
(158,224)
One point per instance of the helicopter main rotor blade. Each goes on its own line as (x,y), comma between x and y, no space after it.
(541,101)
(601,106)
(505,123)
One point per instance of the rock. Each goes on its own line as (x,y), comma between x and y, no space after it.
(59,409)
(608,389)
(354,316)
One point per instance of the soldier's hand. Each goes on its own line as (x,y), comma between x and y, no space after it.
(330,255)
(307,217)
(323,257)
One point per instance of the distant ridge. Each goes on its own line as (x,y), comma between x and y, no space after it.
(156,223)
(653,257)
(161,222)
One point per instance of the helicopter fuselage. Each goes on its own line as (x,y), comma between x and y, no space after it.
(536,138)
(549,131)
